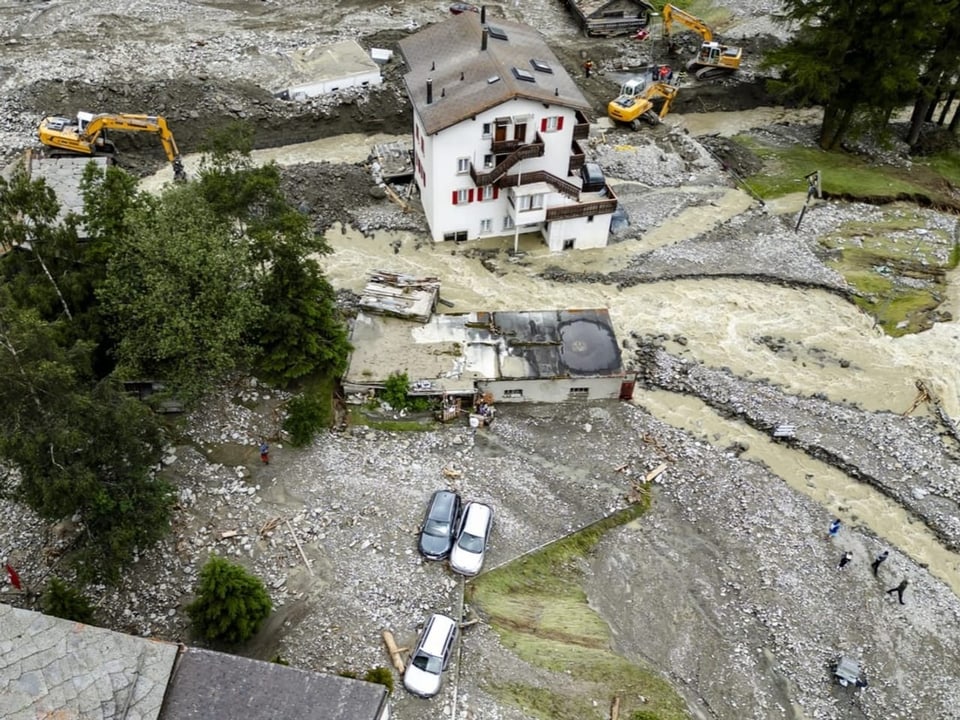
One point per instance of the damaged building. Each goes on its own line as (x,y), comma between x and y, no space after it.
(523,356)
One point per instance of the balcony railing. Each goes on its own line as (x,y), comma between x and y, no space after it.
(504,146)
(523,152)
(598,207)
(577,158)
(581,131)
(535,176)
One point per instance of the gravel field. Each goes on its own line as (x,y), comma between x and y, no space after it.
(728,585)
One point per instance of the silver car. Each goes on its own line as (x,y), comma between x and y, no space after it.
(431,656)
(473,533)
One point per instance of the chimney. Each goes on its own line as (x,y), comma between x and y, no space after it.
(443,93)
(483,40)
(461,77)
(429,91)
(483,14)
(433,66)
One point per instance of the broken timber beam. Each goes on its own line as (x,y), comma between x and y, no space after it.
(395,657)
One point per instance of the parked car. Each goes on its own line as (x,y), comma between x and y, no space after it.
(431,656)
(439,525)
(473,533)
(593,178)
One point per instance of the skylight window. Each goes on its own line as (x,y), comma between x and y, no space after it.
(524,75)
(496,32)
(541,66)
(492,79)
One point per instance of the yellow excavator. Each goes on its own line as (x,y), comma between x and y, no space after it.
(640,101)
(87,135)
(713,58)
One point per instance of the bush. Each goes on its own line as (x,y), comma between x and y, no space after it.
(644,715)
(231,603)
(306,416)
(381,675)
(65,601)
(395,390)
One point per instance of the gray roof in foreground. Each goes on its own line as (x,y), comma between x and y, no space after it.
(443,51)
(207,685)
(57,668)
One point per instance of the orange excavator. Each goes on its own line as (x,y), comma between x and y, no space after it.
(87,135)
(713,59)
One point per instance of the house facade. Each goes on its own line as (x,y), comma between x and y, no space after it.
(497,126)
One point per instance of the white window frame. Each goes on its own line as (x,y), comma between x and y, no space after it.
(463,165)
(486,226)
(553,123)
(486,192)
(487,162)
(487,130)
(507,222)
(513,393)
(530,202)
(463,197)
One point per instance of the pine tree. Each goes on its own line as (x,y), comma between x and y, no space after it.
(65,601)
(231,603)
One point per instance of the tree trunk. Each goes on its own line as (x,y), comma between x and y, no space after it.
(836,123)
(932,106)
(946,107)
(921,108)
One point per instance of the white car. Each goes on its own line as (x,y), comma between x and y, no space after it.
(430,657)
(468,551)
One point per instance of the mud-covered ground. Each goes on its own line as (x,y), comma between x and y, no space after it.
(728,585)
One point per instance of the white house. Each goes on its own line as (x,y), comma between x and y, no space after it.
(496,128)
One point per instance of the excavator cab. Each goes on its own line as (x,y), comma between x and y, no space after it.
(639,101)
(713,58)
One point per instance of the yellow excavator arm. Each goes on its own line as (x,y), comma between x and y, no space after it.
(673,14)
(86,135)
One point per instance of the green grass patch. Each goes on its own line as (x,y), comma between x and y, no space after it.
(359,417)
(899,277)
(785,169)
(947,165)
(539,609)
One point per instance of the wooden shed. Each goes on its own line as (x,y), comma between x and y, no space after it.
(606,18)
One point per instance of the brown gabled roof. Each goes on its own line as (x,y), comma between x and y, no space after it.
(443,51)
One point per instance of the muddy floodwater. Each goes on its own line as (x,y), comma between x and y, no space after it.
(719,322)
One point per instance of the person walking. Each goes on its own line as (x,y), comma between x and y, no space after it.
(835,527)
(878,561)
(899,590)
(588,68)
(847,557)
(264,453)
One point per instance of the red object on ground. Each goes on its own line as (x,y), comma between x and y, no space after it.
(14,577)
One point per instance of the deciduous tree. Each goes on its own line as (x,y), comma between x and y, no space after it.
(181,295)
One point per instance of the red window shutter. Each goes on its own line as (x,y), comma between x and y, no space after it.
(496,192)
(543,125)
(560,123)
(454,197)
(470,195)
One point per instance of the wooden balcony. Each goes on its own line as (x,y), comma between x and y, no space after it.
(577,158)
(563,186)
(504,146)
(581,131)
(584,209)
(523,152)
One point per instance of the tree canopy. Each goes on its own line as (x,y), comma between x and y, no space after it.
(860,60)
(184,287)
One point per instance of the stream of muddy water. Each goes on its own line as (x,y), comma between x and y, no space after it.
(720,319)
